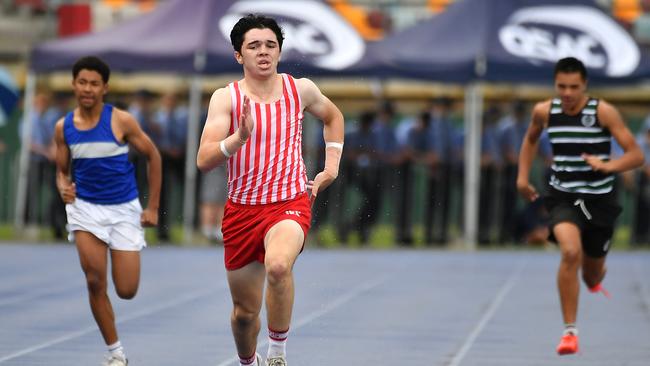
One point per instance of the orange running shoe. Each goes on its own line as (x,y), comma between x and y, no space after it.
(599,288)
(568,344)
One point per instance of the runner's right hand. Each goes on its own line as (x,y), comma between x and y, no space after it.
(68,192)
(246,122)
(527,190)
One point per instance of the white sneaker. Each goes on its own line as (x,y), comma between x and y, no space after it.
(113,360)
(276,361)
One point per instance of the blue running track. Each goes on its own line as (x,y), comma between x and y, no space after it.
(401,307)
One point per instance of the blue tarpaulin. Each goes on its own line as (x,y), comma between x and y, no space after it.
(8,96)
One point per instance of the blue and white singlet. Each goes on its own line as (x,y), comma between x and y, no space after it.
(101,169)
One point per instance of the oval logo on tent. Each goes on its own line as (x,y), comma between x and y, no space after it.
(311,28)
(548,33)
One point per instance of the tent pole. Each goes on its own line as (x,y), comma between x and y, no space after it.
(473,126)
(189,194)
(25,142)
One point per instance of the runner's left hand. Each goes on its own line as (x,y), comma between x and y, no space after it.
(149,217)
(320,182)
(595,163)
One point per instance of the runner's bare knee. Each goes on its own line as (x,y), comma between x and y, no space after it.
(126,293)
(243,317)
(572,255)
(96,283)
(277,269)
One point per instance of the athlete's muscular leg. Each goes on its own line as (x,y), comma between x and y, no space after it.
(92,255)
(126,272)
(246,288)
(568,237)
(593,270)
(283,243)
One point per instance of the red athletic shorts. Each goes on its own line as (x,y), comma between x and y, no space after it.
(245,226)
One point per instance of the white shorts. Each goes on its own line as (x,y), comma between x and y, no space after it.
(116,225)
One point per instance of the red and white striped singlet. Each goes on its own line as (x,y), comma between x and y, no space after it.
(269,167)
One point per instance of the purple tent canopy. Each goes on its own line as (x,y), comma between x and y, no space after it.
(505,40)
(193,37)
(516,41)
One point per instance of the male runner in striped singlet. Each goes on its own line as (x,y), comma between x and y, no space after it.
(581,196)
(255,124)
(97,183)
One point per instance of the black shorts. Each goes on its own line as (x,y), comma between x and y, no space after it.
(594,215)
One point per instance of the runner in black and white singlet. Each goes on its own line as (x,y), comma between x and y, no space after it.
(574,135)
(581,198)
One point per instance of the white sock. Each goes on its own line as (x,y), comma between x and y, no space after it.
(277,343)
(570,328)
(250,361)
(116,349)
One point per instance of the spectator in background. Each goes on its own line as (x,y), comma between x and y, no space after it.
(511,132)
(404,182)
(387,156)
(41,181)
(531,221)
(531,224)
(214,192)
(330,206)
(403,129)
(457,162)
(546,153)
(142,109)
(172,120)
(490,162)
(440,134)
(641,229)
(362,154)
(57,213)
(422,147)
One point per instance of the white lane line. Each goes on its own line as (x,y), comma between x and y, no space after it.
(138,314)
(489,313)
(320,312)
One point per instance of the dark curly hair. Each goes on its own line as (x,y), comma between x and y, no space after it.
(252,21)
(571,65)
(91,63)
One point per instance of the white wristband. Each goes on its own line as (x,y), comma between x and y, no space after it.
(224,151)
(336,145)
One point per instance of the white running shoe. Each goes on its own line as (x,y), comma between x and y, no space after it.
(113,360)
(276,361)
